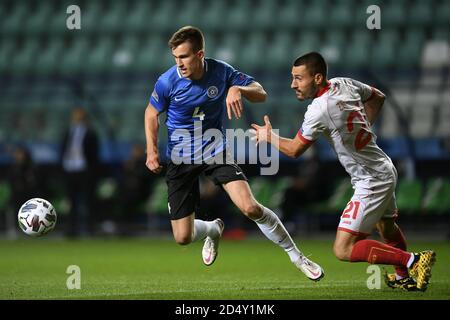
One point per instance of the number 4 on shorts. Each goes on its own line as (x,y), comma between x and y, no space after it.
(198,114)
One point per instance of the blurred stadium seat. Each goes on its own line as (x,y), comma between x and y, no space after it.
(111,64)
(409,196)
(157,204)
(269,193)
(341,195)
(436,199)
(120,37)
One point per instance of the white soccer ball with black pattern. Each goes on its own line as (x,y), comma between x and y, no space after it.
(37,217)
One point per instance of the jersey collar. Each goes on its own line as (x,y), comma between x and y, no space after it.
(323,90)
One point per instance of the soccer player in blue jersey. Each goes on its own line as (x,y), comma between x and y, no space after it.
(195,94)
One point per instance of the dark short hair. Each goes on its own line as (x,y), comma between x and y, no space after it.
(188,33)
(314,62)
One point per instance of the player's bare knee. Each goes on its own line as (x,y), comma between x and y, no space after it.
(340,253)
(252,210)
(183,239)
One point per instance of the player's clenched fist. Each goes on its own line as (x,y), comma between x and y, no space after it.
(153,162)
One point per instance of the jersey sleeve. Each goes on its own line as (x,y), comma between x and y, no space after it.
(237,78)
(313,124)
(160,96)
(364,90)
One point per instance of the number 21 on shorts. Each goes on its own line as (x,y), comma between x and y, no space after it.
(351,211)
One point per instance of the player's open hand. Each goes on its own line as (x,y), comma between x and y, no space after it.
(153,162)
(234,102)
(262,133)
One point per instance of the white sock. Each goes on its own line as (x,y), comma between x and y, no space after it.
(410,261)
(273,229)
(203,229)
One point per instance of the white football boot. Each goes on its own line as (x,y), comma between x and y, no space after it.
(211,246)
(311,269)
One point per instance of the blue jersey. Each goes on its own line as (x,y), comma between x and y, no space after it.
(194,106)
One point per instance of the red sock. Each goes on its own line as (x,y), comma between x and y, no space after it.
(376,252)
(398,241)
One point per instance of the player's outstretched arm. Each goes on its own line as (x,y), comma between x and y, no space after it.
(374,104)
(254,92)
(293,148)
(151,136)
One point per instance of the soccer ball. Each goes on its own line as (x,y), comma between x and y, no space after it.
(36,217)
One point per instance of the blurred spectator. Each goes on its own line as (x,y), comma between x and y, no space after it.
(136,184)
(23,178)
(79,158)
(23,182)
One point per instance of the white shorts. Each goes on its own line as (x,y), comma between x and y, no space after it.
(372,201)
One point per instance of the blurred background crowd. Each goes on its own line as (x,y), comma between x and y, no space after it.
(72,105)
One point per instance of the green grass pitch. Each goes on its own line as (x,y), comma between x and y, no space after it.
(160,269)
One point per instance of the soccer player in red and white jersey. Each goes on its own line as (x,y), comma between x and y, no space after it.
(343,110)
